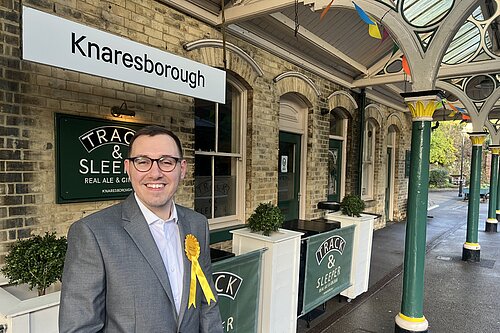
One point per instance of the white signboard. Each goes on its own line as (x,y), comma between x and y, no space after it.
(55,41)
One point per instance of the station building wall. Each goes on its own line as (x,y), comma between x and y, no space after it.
(31,95)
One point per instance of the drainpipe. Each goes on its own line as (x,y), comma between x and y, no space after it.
(361,108)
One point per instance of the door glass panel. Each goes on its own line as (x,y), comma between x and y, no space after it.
(289,175)
(286,181)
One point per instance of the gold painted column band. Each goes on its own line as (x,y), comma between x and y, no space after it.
(477,139)
(422,108)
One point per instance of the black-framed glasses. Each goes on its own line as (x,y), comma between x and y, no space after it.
(144,163)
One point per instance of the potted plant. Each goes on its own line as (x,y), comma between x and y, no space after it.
(266,218)
(281,257)
(351,208)
(352,205)
(37,261)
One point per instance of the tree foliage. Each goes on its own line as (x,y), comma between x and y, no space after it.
(37,261)
(444,141)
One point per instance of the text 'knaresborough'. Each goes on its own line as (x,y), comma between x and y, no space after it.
(141,63)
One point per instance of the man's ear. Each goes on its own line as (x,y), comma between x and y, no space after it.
(183,168)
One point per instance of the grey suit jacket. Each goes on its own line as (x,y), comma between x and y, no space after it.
(114,279)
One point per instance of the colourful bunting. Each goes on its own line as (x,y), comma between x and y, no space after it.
(385,35)
(374,31)
(363,15)
(455,110)
(323,13)
(406,67)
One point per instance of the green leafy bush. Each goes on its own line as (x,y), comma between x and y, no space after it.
(266,218)
(438,177)
(37,261)
(352,205)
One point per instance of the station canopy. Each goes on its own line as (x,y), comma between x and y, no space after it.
(371,44)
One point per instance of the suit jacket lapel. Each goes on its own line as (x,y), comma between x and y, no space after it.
(184,229)
(138,229)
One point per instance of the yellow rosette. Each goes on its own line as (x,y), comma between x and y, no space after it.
(192,248)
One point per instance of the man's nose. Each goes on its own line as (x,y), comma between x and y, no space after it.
(155,168)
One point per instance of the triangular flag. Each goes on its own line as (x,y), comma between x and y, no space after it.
(362,14)
(452,114)
(444,101)
(406,67)
(465,117)
(374,31)
(439,105)
(460,110)
(385,34)
(323,13)
(453,107)
(395,49)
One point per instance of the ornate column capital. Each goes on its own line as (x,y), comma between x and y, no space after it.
(422,104)
(495,149)
(477,138)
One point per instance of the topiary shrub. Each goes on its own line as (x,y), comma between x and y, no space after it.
(352,205)
(266,218)
(37,261)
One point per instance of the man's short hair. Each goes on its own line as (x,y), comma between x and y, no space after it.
(153,130)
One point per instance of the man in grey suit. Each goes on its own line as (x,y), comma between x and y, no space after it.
(128,267)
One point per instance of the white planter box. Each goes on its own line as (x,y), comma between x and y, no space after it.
(362,251)
(280,276)
(32,315)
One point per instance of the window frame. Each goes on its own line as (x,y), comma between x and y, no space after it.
(238,155)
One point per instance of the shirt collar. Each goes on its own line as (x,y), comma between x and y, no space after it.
(152,217)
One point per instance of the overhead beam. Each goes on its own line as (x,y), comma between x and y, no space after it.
(320,43)
(378,80)
(290,55)
(244,11)
(193,10)
(481,67)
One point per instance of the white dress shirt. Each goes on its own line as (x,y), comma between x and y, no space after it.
(167,238)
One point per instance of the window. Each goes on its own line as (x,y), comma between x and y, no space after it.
(368,174)
(219,155)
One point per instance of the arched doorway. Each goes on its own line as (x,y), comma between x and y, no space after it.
(292,152)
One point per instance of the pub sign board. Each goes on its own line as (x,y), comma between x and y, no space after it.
(89,158)
(237,282)
(328,266)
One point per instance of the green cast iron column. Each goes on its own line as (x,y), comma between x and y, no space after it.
(411,319)
(491,221)
(471,249)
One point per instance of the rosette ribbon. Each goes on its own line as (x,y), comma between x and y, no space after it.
(192,248)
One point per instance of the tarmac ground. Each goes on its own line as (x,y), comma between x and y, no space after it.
(459,296)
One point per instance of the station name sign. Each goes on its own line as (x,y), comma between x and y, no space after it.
(51,40)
